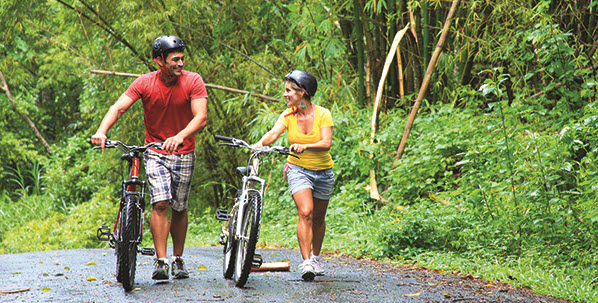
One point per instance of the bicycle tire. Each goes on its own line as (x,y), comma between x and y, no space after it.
(230,249)
(249,237)
(126,254)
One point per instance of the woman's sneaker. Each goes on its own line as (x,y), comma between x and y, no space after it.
(178,269)
(307,271)
(316,263)
(161,271)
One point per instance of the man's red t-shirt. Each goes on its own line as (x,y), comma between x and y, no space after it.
(167,109)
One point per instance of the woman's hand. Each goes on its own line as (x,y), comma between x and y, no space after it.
(298,148)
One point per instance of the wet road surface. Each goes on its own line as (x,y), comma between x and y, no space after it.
(88,275)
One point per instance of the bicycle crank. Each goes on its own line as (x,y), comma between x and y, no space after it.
(257,261)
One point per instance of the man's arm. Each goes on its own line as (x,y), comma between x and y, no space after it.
(199,108)
(114,113)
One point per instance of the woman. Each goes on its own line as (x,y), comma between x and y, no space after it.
(310,178)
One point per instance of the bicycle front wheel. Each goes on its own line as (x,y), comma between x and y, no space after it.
(126,248)
(249,234)
(230,248)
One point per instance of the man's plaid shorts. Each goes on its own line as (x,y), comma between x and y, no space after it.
(169,177)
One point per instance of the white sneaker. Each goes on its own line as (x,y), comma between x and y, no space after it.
(316,263)
(307,271)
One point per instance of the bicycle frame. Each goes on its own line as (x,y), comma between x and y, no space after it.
(240,233)
(128,227)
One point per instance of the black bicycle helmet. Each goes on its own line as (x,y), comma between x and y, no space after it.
(305,80)
(165,44)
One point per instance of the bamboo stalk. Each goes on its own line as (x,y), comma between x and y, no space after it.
(274,266)
(14,291)
(232,90)
(401,80)
(424,86)
(374,194)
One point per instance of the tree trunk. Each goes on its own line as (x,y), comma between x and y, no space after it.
(24,116)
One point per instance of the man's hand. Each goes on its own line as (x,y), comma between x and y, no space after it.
(99,139)
(171,144)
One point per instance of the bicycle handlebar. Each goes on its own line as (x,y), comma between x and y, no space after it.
(283,150)
(129,148)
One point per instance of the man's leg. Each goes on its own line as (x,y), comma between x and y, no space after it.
(178,231)
(159,227)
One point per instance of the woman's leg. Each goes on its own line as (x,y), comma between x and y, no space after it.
(319,224)
(305,206)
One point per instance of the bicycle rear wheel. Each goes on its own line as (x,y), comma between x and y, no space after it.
(248,238)
(126,248)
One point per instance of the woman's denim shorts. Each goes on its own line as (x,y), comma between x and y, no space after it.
(319,181)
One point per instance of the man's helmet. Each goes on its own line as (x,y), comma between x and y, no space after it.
(166,44)
(305,80)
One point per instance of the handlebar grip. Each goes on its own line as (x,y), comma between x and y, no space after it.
(223,138)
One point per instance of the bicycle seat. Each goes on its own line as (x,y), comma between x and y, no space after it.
(243,170)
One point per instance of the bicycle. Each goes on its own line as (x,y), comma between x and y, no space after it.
(241,231)
(128,226)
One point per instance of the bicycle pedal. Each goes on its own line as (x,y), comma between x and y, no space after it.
(147,251)
(257,261)
(222,240)
(103,233)
(222,215)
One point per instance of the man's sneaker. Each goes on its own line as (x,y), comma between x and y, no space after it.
(307,271)
(161,271)
(316,263)
(178,269)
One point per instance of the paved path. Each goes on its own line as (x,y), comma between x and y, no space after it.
(88,275)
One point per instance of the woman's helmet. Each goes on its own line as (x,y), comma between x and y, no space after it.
(166,44)
(305,80)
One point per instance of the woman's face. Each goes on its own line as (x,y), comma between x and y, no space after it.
(293,96)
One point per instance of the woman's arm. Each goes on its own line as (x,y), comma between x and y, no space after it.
(271,136)
(322,145)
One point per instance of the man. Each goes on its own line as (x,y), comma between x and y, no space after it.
(174,110)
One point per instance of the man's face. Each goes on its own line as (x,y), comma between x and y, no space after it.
(174,63)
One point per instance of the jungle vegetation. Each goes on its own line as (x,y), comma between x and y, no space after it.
(497,176)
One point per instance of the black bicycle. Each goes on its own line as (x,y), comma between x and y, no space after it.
(241,231)
(128,226)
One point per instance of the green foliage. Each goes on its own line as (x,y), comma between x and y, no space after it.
(498,176)
(35,227)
